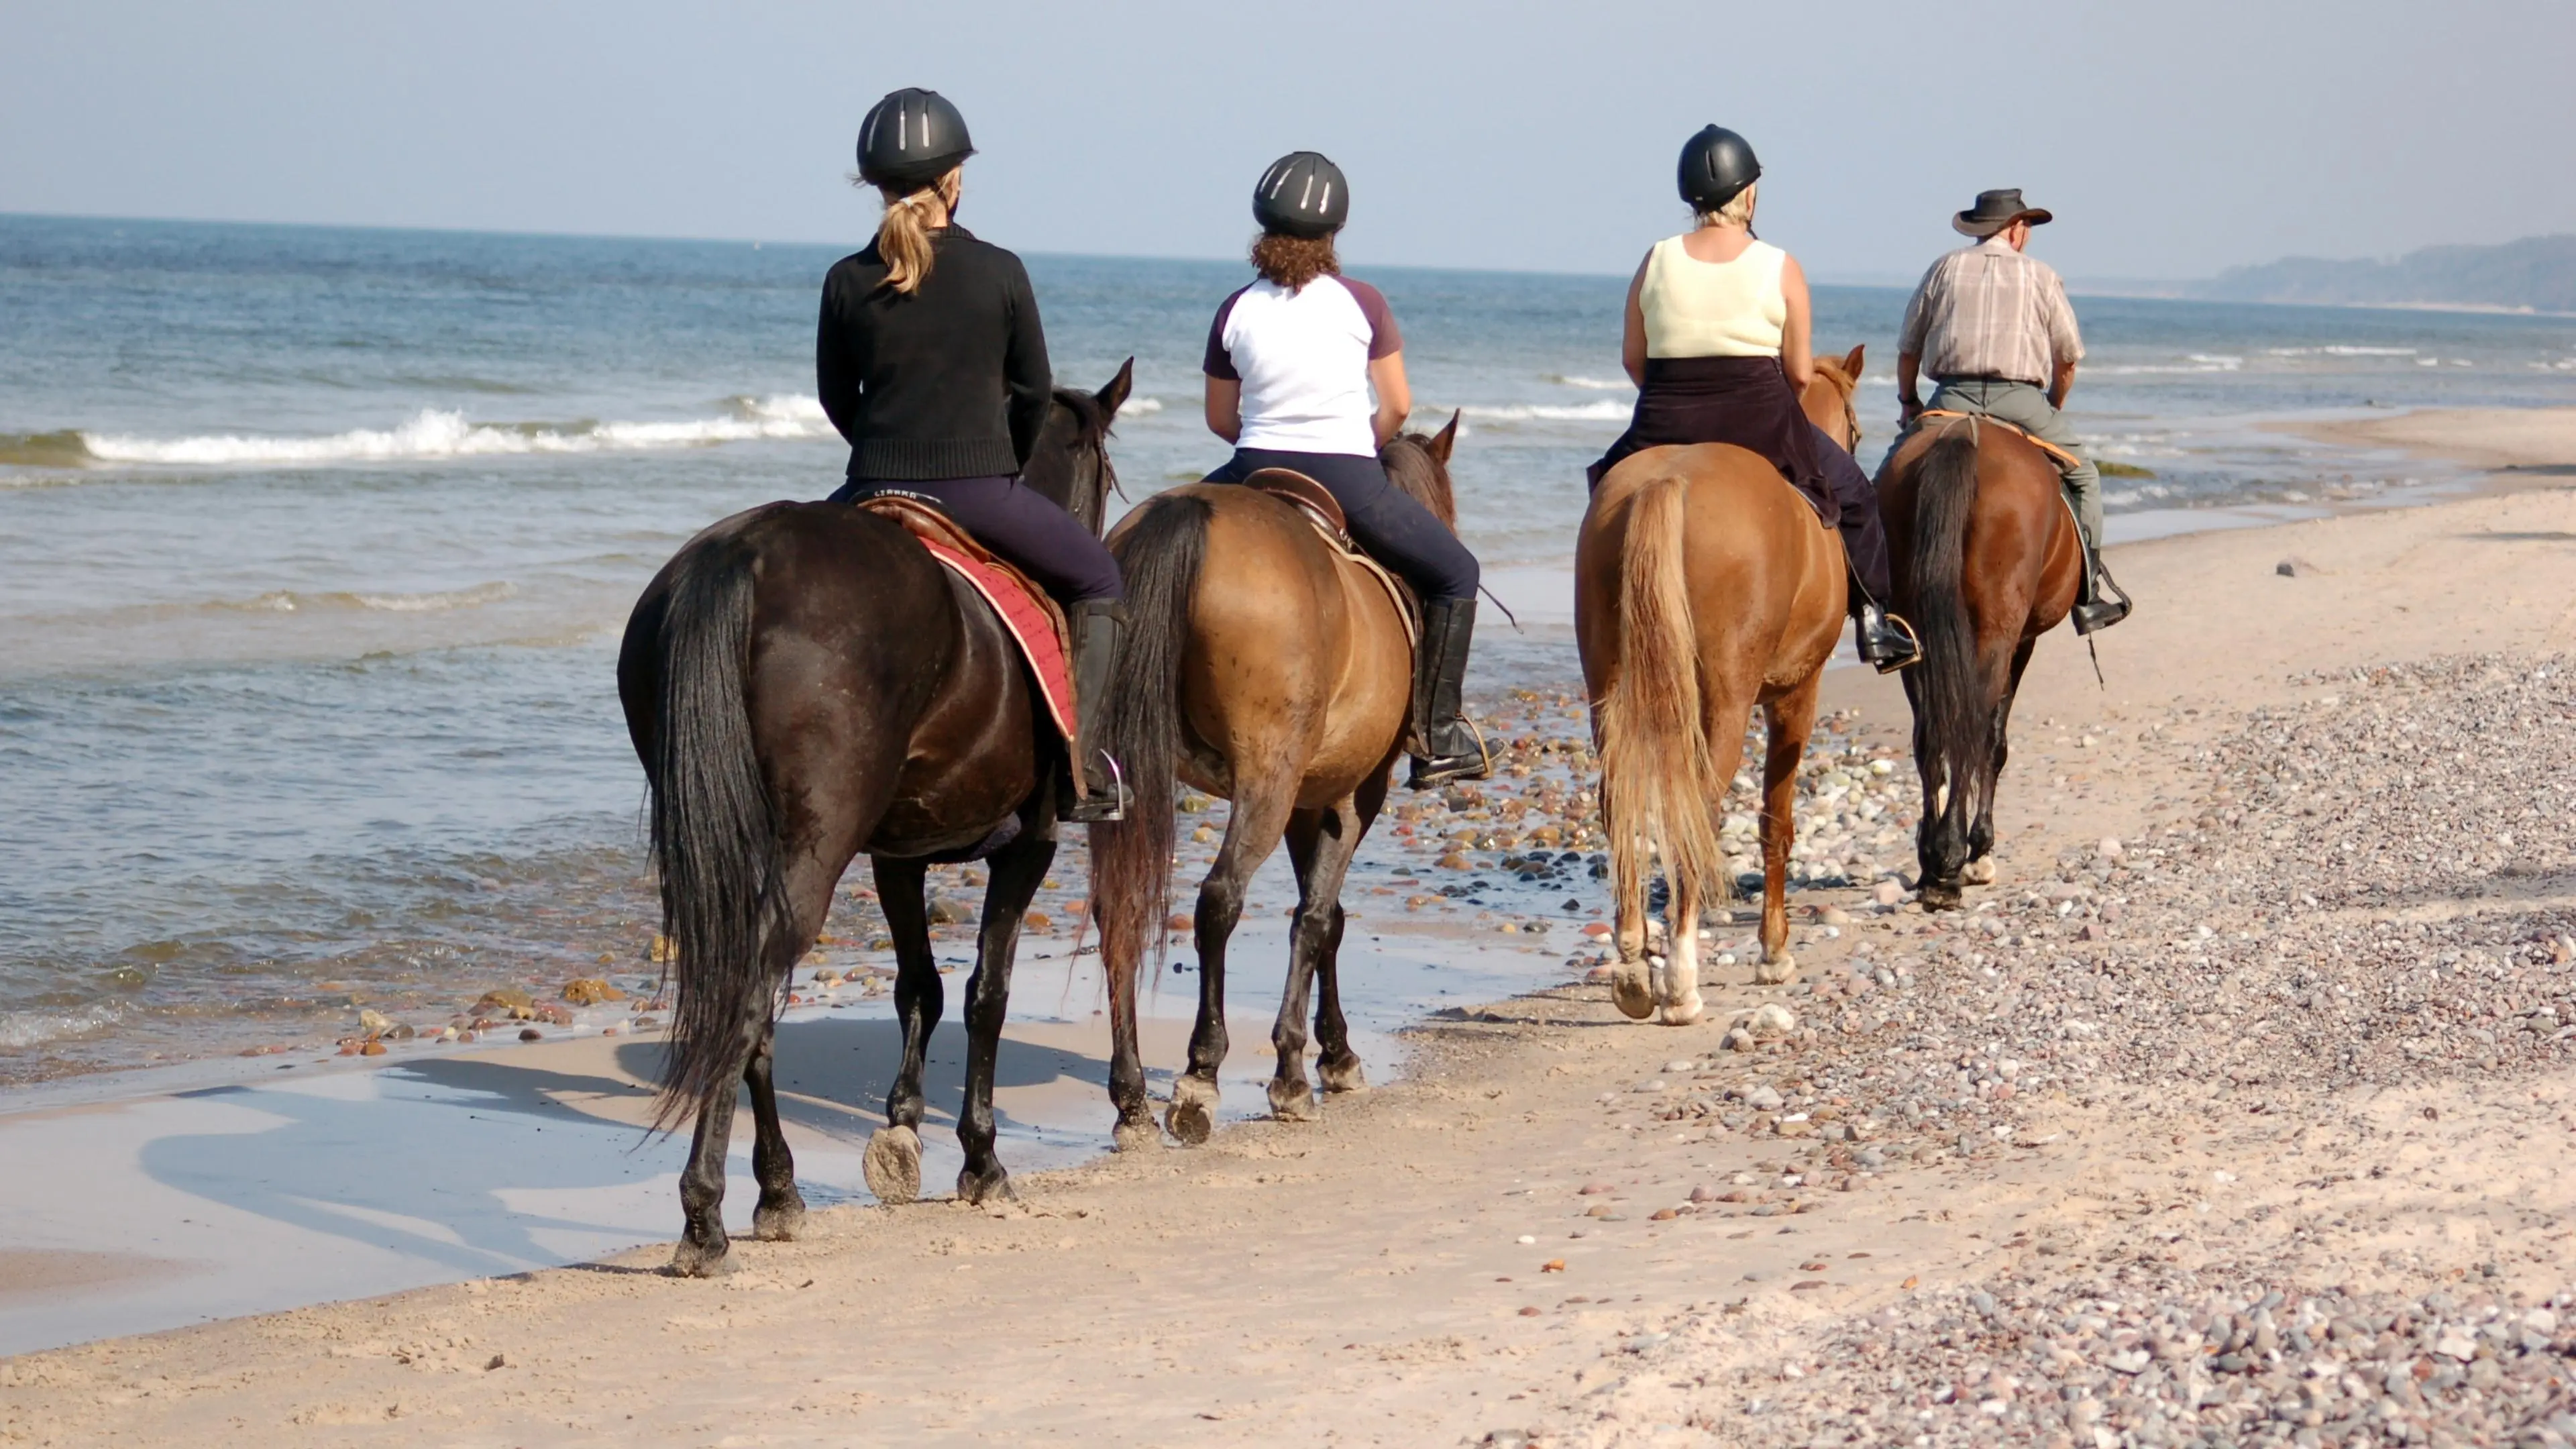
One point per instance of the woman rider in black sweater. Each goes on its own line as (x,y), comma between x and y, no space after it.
(931,362)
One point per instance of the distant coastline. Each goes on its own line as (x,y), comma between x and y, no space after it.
(2535,276)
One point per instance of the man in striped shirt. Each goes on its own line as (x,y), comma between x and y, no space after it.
(1990,324)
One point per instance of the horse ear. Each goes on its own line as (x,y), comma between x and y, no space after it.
(1114,396)
(1851,362)
(1445,439)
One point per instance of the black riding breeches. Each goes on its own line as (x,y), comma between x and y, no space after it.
(1384,519)
(1021,524)
(1856,516)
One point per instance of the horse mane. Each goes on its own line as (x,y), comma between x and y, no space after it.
(1412,463)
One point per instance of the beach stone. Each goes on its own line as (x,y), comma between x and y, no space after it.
(590,991)
(374,1023)
(1887,893)
(502,1000)
(2110,848)
(552,1015)
(1038,921)
(1764,1099)
(944,912)
(531,1034)
(1771,1019)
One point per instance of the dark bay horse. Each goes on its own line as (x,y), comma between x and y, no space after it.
(803,681)
(1986,559)
(1705,587)
(1284,683)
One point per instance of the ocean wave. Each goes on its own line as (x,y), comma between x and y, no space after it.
(2194,363)
(1605,411)
(2341,350)
(429,434)
(1595,384)
(1135,405)
(20,1030)
(283,601)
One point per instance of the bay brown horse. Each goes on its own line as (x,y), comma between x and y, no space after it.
(1705,586)
(804,681)
(1263,666)
(1986,559)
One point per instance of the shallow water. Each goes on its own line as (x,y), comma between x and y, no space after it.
(314,543)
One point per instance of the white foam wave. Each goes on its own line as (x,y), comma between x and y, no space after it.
(1595,384)
(283,601)
(2341,350)
(1140,405)
(432,433)
(20,1030)
(1605,411)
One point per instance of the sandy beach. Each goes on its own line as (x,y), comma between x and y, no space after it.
(2234,1109)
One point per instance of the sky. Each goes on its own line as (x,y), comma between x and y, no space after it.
(2172,140)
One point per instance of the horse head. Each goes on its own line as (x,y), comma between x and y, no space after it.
(1828,398)
(1070,464)
(1419,466)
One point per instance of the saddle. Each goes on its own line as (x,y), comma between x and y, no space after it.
(1324,511)
(1030,617)
(2036,441)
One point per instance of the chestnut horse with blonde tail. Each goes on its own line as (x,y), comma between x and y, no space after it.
(1284,684)
(1705,585)
(1986,559)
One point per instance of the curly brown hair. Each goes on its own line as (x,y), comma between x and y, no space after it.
(1293,261)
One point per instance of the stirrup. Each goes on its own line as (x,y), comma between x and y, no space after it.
(1913,653)
(1100,807)
(2100,612)
(1430,771)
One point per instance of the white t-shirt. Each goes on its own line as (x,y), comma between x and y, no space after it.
(1303,360)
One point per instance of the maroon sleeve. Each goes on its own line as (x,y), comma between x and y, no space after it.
(1384,339)
(1219,363)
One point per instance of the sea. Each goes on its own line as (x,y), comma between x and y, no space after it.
(315,545)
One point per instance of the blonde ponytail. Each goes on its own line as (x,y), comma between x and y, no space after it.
(903,238)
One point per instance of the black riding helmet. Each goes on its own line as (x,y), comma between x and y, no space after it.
(911,138)
(1717,165)
(1302,195)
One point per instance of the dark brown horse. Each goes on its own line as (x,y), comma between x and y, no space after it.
(1705,587)
(803,681)
(1986,560)
(1284,684)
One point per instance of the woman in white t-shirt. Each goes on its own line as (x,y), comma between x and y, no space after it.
(1305,371)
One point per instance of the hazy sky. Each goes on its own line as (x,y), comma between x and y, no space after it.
(2172,139)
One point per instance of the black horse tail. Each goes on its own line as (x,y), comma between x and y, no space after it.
(1160,555)
(716,843)
(1956,734)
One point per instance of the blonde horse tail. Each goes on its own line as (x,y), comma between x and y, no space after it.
(1656,775)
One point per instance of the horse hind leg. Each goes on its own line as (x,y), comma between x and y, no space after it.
(1677,995)
(1017,870)
(1331,836)
(1260,813)
(1337,1067)
(1791,718)
(1981,835)
(781,1211)
(893,1160)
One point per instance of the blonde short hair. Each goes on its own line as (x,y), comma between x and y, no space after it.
(1738,210)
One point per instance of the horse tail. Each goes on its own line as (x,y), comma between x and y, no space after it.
(1160,555)
(1655,768)
(1954,710)
(715,829)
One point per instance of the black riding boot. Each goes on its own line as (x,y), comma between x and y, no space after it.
(2093,610)
(1884,641)
(1450,747)
(1104,797)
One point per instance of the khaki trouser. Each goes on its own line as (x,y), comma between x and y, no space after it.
(2025,406)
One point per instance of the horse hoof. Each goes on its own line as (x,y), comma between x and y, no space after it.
(1980,871)
(1683,1012)
(1188,1123)
(1631,991)
(1342,1076)
(893,1166)
(1937,897)
(779,1222)
(995,1186)
(1773,970)
(1293,1102)
(1141,1136)
(693,1260)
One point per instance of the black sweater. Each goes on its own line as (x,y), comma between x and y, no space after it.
(949,382)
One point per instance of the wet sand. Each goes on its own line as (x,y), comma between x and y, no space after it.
(1773,1246)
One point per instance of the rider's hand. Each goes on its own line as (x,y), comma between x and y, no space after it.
(1913,408)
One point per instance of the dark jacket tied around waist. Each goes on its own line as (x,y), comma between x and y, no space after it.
(948,382)
(1746,401)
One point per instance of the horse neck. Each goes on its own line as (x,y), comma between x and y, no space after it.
(1422,478)
(1828,404)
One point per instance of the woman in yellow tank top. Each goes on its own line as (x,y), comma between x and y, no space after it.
(1718,343)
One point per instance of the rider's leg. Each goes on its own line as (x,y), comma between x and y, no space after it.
(2099,603)
(1403,535)
(1885,643)
(1052,547)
